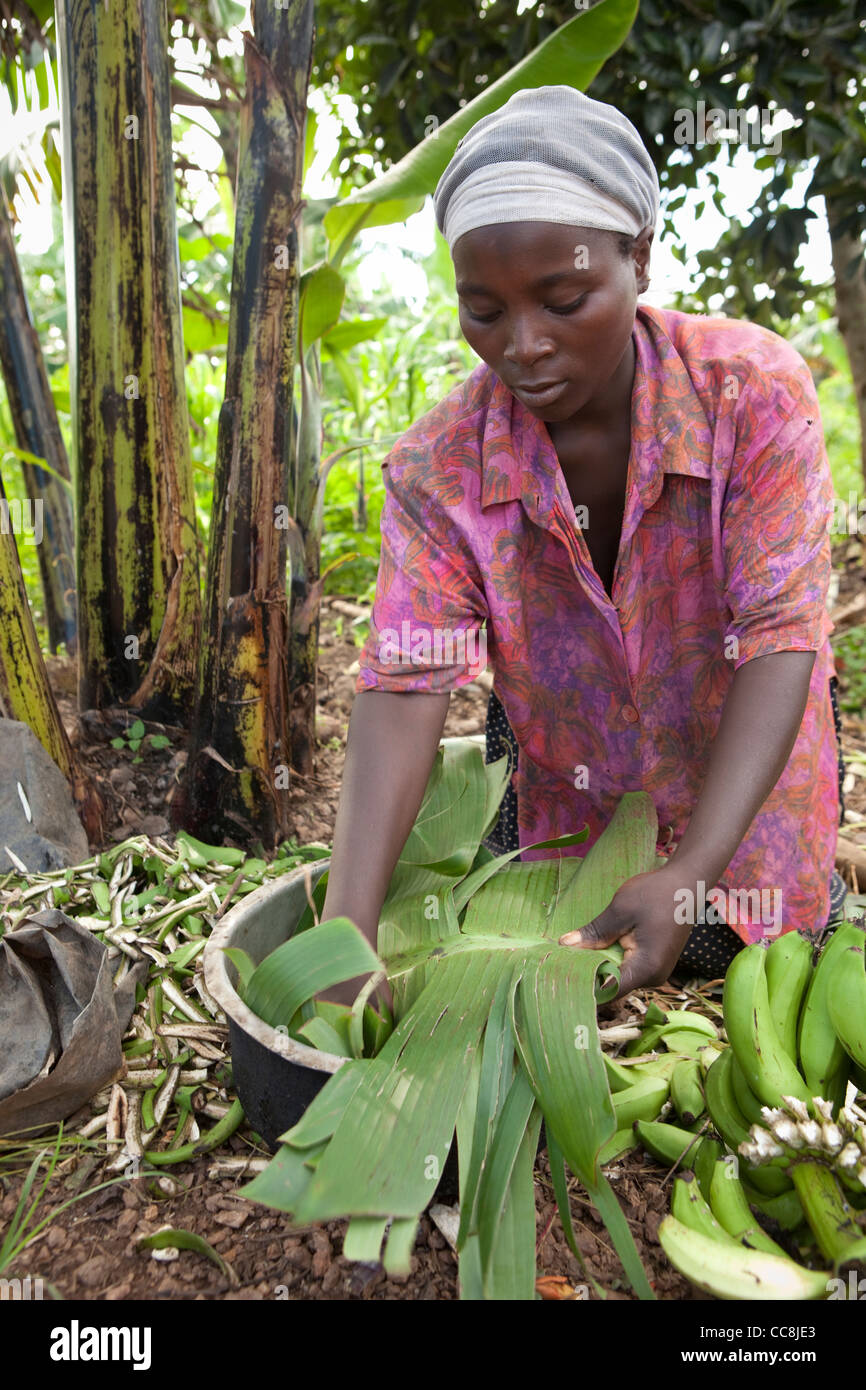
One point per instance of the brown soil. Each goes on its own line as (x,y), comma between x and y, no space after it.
(90,1251)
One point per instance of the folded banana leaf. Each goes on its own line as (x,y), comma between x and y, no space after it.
(496,1030)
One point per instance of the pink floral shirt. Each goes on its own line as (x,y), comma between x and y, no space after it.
(724,556)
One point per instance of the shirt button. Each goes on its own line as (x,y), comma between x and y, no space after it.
(629,714)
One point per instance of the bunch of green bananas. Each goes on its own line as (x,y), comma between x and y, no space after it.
(794,1030)
(776,1097)
(791,1131)
(644,1083)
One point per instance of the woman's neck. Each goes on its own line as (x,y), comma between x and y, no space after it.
(608,415)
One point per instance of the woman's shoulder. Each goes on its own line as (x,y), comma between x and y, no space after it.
(706,342)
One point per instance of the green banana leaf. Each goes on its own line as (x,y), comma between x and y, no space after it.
(572,56)
(476,972)
(352,383)
(351,332)
(302,966)
(556,1029)
(322,291)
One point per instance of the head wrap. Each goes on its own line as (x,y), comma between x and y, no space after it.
(550,154)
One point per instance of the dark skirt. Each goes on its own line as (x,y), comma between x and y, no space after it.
(712,944)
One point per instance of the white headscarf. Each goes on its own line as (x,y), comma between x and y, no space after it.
(550,154)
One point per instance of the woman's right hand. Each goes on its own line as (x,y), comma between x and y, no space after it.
(390,751)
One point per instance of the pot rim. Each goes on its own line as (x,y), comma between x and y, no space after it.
(217,982)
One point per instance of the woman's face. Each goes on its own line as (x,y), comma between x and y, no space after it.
(550,306)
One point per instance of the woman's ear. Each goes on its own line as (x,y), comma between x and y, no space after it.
(641,255)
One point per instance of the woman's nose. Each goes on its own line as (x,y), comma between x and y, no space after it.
(526,342)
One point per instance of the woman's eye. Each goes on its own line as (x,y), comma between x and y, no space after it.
(567,308)
(559,309)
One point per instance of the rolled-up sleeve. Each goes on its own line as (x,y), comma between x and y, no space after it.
(427,625)
(775,520)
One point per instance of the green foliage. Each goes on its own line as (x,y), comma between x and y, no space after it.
(382,384)
(470,944)
(841,434)
(791,57)
(574,53)
(134,737)
(849,650)
(28,1219)
(414,360)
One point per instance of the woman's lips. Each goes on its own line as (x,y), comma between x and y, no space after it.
(540,395)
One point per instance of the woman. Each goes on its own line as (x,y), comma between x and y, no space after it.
(635,502)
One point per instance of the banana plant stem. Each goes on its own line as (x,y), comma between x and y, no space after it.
(833,1221)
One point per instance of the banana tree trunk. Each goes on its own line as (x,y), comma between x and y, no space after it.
(24,690)
(37,432)
(850,290)
(237,772)
(139,606)
(304,483)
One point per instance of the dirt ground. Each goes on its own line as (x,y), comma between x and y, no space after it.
(89,1251)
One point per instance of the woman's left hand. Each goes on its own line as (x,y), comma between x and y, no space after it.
(641,917)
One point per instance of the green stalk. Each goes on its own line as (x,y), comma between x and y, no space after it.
(829,1215)
(221,1131)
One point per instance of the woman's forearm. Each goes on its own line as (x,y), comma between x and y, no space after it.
(758,729)
(391,747)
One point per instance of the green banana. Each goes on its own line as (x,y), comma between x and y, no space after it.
(823,1060)
(201,855)
(694,1022)
(645,1042)
(786,1209)
(840,1238)
(685,1040)
(617,1145)
(708,1054)
(642,1101)
(789,970)
(730,1208)
(846,1002)
(661,1066)
(619,1078)
(731,1124)
(667,1143)
(690,1206)
(745,1097)
(725,1114)
(769,1070)
(708,1154)
(686,1093)
(733,1272)
(676,1021)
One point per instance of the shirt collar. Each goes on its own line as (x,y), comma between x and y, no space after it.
(518,460)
